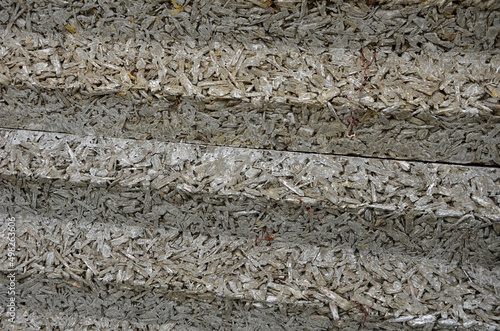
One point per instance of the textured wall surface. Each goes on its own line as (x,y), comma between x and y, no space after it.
(247,165)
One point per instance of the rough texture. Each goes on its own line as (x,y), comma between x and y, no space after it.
(247,165)
(234,74)
(189,220)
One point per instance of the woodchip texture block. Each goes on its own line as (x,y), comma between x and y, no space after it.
(251,165)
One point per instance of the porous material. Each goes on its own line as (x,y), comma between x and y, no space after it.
(251,165)
(236,74)
(107,215)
